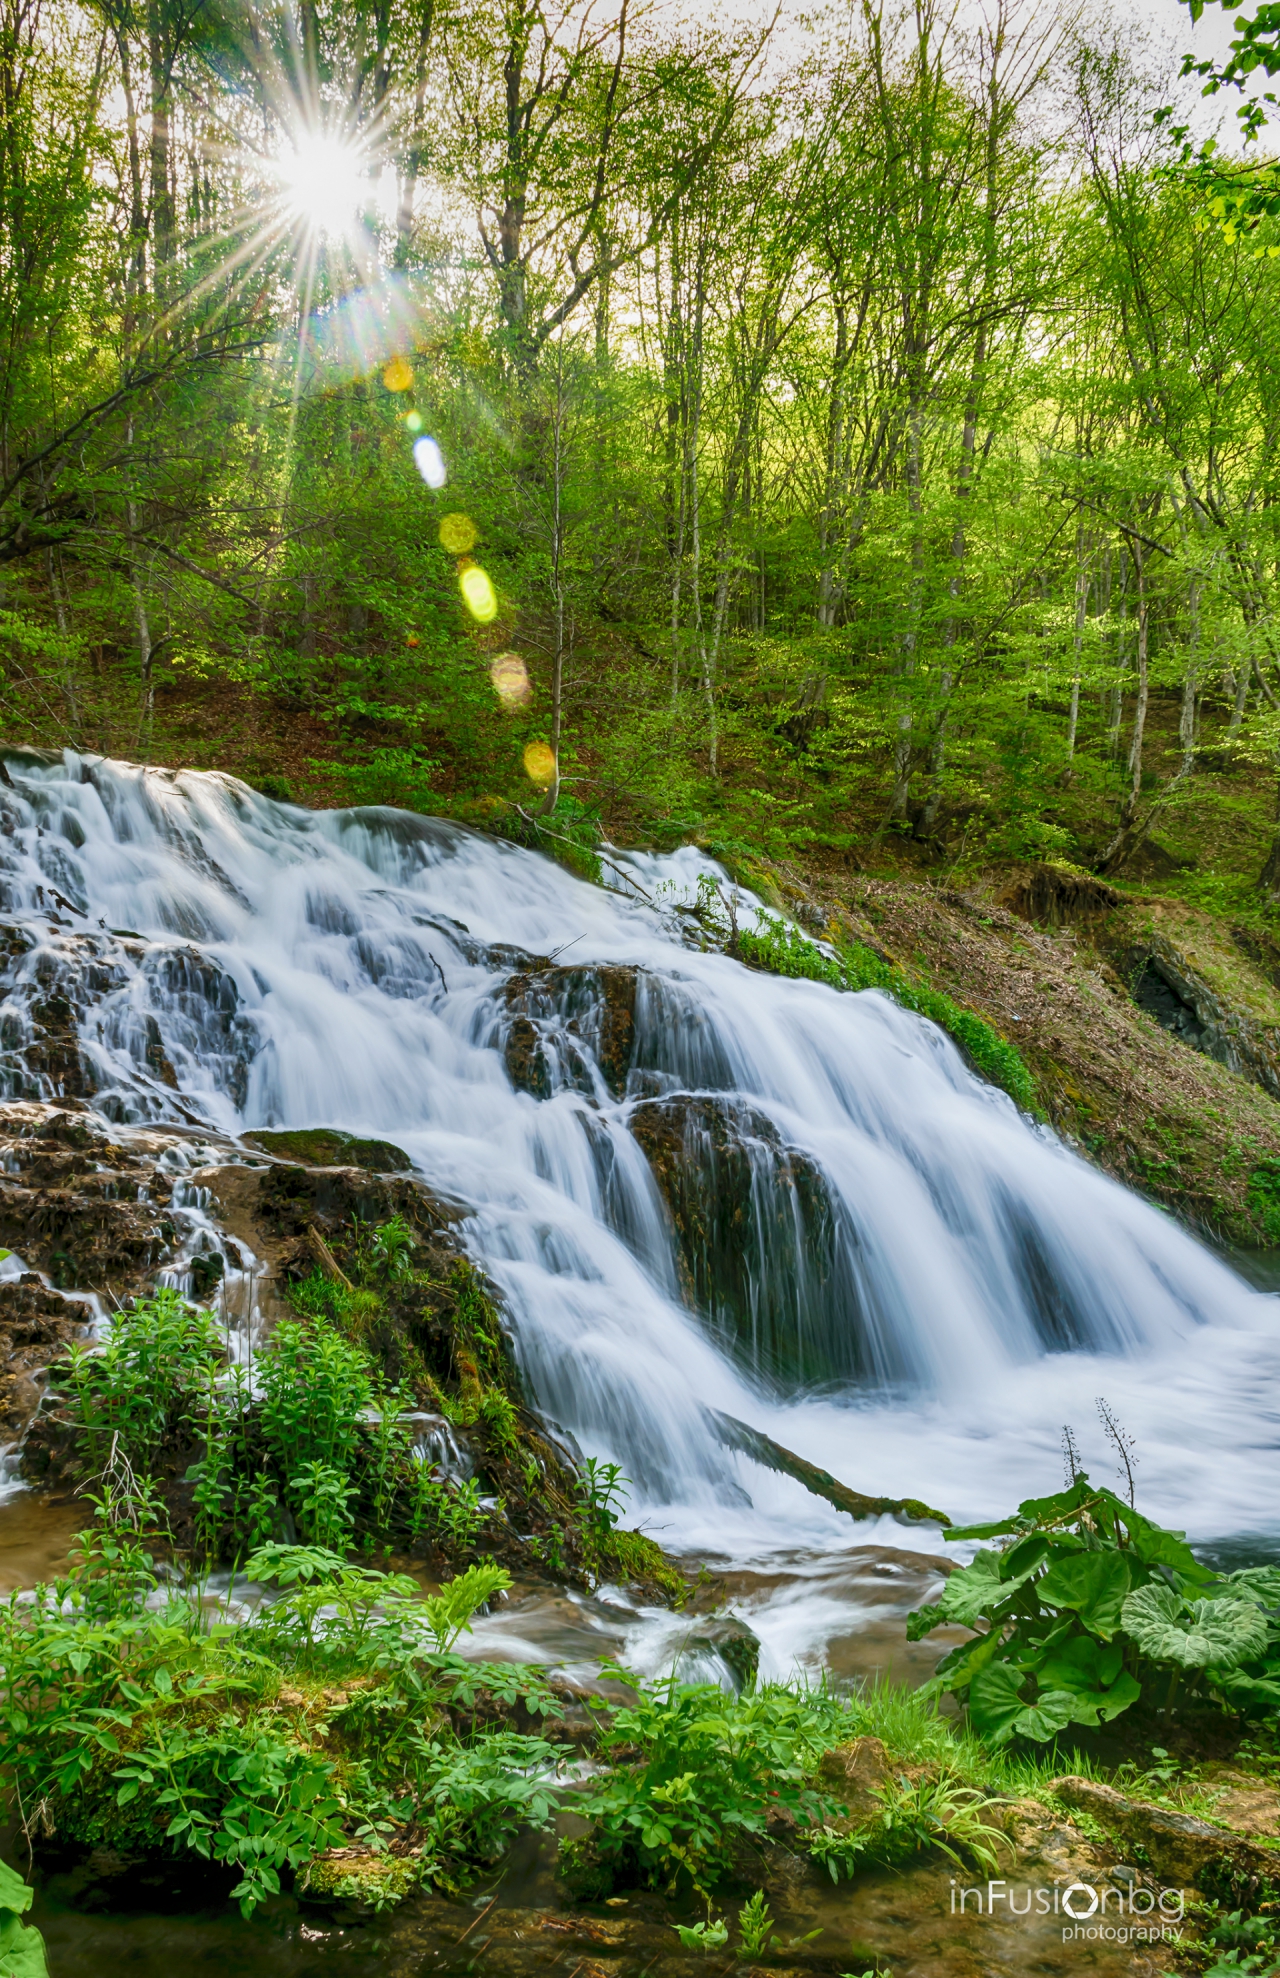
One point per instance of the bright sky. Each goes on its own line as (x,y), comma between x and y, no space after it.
(1165,24)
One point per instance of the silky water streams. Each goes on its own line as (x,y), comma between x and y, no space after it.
(701,1190)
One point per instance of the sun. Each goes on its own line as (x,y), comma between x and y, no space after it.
(324,182)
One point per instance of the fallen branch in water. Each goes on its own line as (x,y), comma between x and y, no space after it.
(762,1448)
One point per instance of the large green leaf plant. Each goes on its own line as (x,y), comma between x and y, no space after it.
(1088,1606)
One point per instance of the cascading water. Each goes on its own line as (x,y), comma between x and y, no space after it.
(699,1188)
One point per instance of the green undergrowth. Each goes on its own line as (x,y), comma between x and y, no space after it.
(339,1718)
(338,1740)
(696,1783)
(780,949)
(310,1438)
(1264,1198)
(316,1440)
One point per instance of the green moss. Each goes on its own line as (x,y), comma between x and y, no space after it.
(375,1881)
(633,1559)
(1264,1198)
(355,1312)
(782,950)
(326,1147)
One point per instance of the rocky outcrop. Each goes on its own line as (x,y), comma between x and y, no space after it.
(761,1254)
(80,1204)
(1181,1849)
(36,1326)
(116,1209)
(1052,897)
(78,1021)
(561,1027)
(1165,984)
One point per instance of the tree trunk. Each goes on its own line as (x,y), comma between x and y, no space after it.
(1122,662)
(1269,877)
(1077,647)
(906,666)
(163,215)
(1129,833)
(1190,683)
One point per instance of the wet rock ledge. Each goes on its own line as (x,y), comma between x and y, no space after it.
(106,1212)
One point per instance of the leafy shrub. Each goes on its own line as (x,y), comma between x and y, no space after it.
(1089,1604)
(783,950)
(315,1387)
(135,1726)
(400,777)
(391,1249)
(602,1494)
(21,1947)
(711,1768)
(146,1379)
(316,1435)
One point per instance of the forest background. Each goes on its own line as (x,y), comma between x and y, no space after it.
(848,440)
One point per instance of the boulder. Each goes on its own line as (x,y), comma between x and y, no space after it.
(561,1025)
(766,1256)
(857,1772)
(328,1147)
(1182,1849)
(725,1639)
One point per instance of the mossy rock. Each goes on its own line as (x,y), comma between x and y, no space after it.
(358,1875)
(326,1147)
(552,1013)
(639,1561)
(764,1255)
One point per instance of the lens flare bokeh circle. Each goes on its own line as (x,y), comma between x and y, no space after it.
(540,763)
(478,594)
(458,534)
(429,461)
(510,677)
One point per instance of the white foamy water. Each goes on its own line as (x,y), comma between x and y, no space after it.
(968,1286)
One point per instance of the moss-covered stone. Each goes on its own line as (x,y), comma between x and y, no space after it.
(361,1877)
(551,1014)
(327,1147)
(763,1255)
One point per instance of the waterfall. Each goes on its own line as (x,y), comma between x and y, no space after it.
(698,1187)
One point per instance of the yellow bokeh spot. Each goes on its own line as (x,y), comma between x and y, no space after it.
(397,374)
(458,534)
(478,593)
(510,677)
(539,763)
